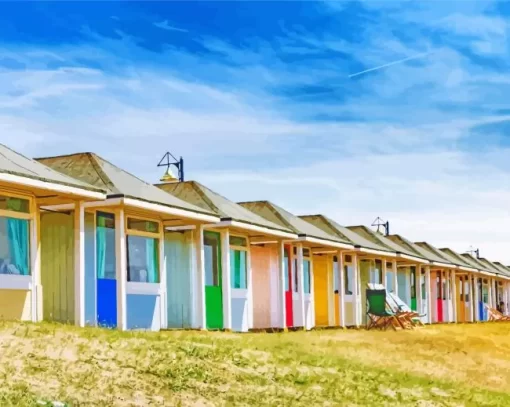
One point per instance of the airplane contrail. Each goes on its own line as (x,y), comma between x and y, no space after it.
(389,64)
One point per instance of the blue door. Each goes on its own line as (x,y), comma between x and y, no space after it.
(105,268)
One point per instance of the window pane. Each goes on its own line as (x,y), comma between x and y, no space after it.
(142,225)
(349,283)
(307,276)
(348,258)
(14,246)
(389,281)
(378,272)
(14,204)
(105,246)
(413,282)
(306,252)
(211,258)
(238,270)
(237,241)
(142,259)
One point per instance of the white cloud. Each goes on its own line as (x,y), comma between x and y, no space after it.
(164,25)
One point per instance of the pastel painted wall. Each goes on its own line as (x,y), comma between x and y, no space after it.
(15,305)
(261,277)
(143,312)
(57,266)
(178,246)
(321,290)
(239,310)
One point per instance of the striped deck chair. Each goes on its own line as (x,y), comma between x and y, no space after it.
(495,316)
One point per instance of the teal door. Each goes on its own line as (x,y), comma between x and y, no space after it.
(213,291)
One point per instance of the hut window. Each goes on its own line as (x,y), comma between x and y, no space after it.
(238,241)
(348,258)
(105,246)
(212,258)
(14,246)
(349,279)
(142,250)
(9,203)
(306,252)
(286,269)
(307,277)
(295,274)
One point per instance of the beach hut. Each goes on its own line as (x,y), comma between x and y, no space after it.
(300,255)
(506,287)
(242,255)
(336,306)
(25,186)
(436,305)
(125,281)
(408,265)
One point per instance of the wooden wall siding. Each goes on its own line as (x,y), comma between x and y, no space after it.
(179,289)
(57,266)
(320,275)
(90,270)
(274,282)
(433,296)
(261,263)
(143,312)
(15,305)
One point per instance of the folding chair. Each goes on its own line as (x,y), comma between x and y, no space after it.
(495,316)
(379,316)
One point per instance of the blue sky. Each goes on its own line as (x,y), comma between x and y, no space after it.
(260,99)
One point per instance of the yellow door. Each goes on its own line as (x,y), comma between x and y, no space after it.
(320,272)
(461,317)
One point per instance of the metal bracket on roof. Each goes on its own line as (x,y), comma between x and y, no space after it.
(472,251)
(381,223)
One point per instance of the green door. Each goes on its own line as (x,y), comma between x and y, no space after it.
(213,292)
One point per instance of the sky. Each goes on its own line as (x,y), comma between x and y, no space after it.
(353,109)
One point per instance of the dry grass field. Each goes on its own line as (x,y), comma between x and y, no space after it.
(447,365)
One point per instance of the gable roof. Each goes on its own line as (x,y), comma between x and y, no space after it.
(197,194)
(379,239)
(16,164)
(440,254)
(91,168)
(280,216)
(331,227)
(419,250)
(476,263)
(493,268)
(502,267)
(459,259)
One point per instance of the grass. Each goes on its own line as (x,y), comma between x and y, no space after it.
(447,365)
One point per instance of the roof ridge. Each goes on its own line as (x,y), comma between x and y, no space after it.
(101,174)
(197,187)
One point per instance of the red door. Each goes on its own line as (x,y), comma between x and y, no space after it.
(439,280)
(288,289)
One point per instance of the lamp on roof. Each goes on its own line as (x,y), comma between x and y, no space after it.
(169,175)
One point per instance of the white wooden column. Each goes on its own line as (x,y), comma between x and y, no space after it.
(35,267)
(395,277)
(428,294)
(282,312)
(446,285)
(505,297)
(199,315)
(300,285)
(341,289)
(477,298)
(163,297)
(121,268)
(355,293)
(417,281)
(384,271)
(249,277)
(79,264)
(225,283)
(454,297)
(489,280)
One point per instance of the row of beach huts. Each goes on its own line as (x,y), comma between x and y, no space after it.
(85,242)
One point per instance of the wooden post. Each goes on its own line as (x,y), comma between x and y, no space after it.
(417,281)
(300,285)
(395,276)
(454,297)
(341,289)
(79,264)
(35,259)
(477,298)
(428,294)
(163,298)
(282,318)
(121,268)
(226,285)
(249,277)
(356,287)
(199,286)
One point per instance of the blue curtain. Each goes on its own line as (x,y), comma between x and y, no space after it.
(17,232)
(101,247)
(150,251)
